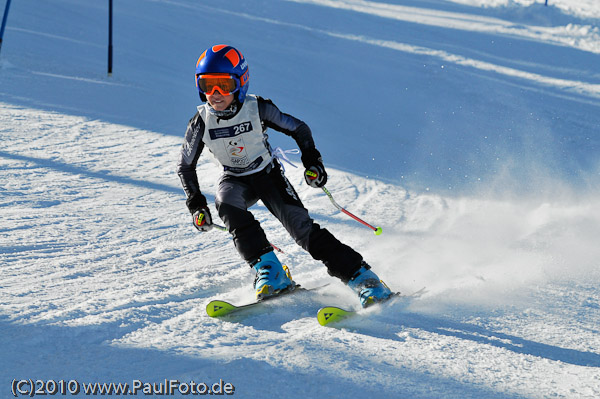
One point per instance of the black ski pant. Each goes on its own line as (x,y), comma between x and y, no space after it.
(235,194)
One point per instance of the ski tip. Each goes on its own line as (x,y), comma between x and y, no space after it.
(219,308)
(418,293)
(412,295)
(332,314)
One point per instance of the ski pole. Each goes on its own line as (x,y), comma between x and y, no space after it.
(376,230)
(218,227)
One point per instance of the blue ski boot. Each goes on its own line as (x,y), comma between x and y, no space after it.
(272,278)
(369,287)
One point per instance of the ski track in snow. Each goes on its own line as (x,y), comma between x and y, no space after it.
(576,36)
(105,280)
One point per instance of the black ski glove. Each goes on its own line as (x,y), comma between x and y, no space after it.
(198,207)
(315,174)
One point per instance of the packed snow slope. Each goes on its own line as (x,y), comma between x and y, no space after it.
(468,130)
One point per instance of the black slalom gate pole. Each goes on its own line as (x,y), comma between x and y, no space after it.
(4,22)
(110,46)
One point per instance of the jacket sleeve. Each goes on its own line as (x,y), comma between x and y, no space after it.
(188,158)
(272,117)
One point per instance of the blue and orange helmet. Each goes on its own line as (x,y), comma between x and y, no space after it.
(224,59)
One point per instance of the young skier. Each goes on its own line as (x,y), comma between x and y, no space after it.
(232,125)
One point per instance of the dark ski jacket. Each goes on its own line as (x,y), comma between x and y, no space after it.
(270,116)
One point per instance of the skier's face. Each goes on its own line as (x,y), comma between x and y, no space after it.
(218,101)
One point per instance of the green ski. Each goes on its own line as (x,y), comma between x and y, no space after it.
(219,308)
(333,314)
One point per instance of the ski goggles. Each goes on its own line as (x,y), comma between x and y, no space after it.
(209,83)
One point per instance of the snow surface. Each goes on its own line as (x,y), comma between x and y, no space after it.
(469,130)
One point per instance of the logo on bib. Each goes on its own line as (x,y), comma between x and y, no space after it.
(237,152)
